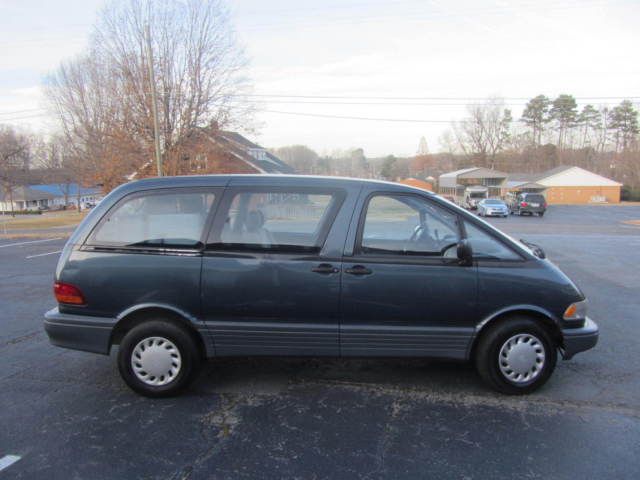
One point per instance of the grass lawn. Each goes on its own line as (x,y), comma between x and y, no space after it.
(38,222)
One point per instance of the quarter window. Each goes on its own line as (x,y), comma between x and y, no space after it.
(407,225)
(276,221)
(487,247)
(155,220)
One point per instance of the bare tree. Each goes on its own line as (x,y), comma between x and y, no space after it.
(485,132)
(15,148)
(61,167)
(103,99)
(303,159)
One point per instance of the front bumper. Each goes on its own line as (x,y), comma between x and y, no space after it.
(497,213)
(576,340)
(79,332)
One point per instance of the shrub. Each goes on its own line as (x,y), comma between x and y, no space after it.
(22,212)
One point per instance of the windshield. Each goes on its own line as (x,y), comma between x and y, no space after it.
(493,201)
(534,198)
(477,194)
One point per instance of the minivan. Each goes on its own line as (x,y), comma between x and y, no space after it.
(175,270)
(527,204)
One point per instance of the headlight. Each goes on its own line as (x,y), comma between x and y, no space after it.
(576,311)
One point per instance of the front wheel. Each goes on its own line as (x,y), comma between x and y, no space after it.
(158,358)
(516,356)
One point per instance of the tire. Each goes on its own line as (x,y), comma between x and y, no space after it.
(541,214)
(531,344)
(173,350)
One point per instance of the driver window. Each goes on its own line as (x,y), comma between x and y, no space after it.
(407,225)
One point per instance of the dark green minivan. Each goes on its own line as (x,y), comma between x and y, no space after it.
(177,270)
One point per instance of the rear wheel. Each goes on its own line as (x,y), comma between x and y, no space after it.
(541,214)
(158,358)
(516,356)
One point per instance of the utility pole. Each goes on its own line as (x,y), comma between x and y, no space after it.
(154,102)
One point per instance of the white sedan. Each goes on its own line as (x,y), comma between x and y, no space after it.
(492,207)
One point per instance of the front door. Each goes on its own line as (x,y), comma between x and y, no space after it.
(404,293)
(268,287)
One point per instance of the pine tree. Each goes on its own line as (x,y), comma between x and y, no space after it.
(536,116)
(423,148)
(564,111)
(589,119)
(623,120)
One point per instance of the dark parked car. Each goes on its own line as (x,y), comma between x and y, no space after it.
(492,207)
(176,270)
(528,204)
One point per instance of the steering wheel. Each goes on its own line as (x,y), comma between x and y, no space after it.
(416,233)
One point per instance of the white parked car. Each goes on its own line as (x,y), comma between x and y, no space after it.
(493,207)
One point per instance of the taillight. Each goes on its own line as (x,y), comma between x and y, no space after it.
(545,205)
(524,204)
(69,294)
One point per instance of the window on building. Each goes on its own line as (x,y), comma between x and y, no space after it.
(198,162)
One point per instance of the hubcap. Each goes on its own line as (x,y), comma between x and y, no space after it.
(521,358)
(156,361)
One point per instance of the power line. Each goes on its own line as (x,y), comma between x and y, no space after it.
(352,97)
(344,117)
(390,103)
(22,111)
(24,117)
(420,14)
(319,115)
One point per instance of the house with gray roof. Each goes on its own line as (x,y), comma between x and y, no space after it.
(453,183)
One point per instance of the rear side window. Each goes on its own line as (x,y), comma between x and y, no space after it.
(164,219)
(275,220)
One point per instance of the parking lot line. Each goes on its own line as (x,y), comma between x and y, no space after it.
(31,241)
(43,254)
(7,461)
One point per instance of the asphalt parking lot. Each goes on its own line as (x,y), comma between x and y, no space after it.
(66,414)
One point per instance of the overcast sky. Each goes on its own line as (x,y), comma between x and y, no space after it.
(354,49)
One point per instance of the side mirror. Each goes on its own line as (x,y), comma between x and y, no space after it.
(536,249)
(465,253)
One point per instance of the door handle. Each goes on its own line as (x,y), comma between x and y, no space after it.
(325,268)
(359,270)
